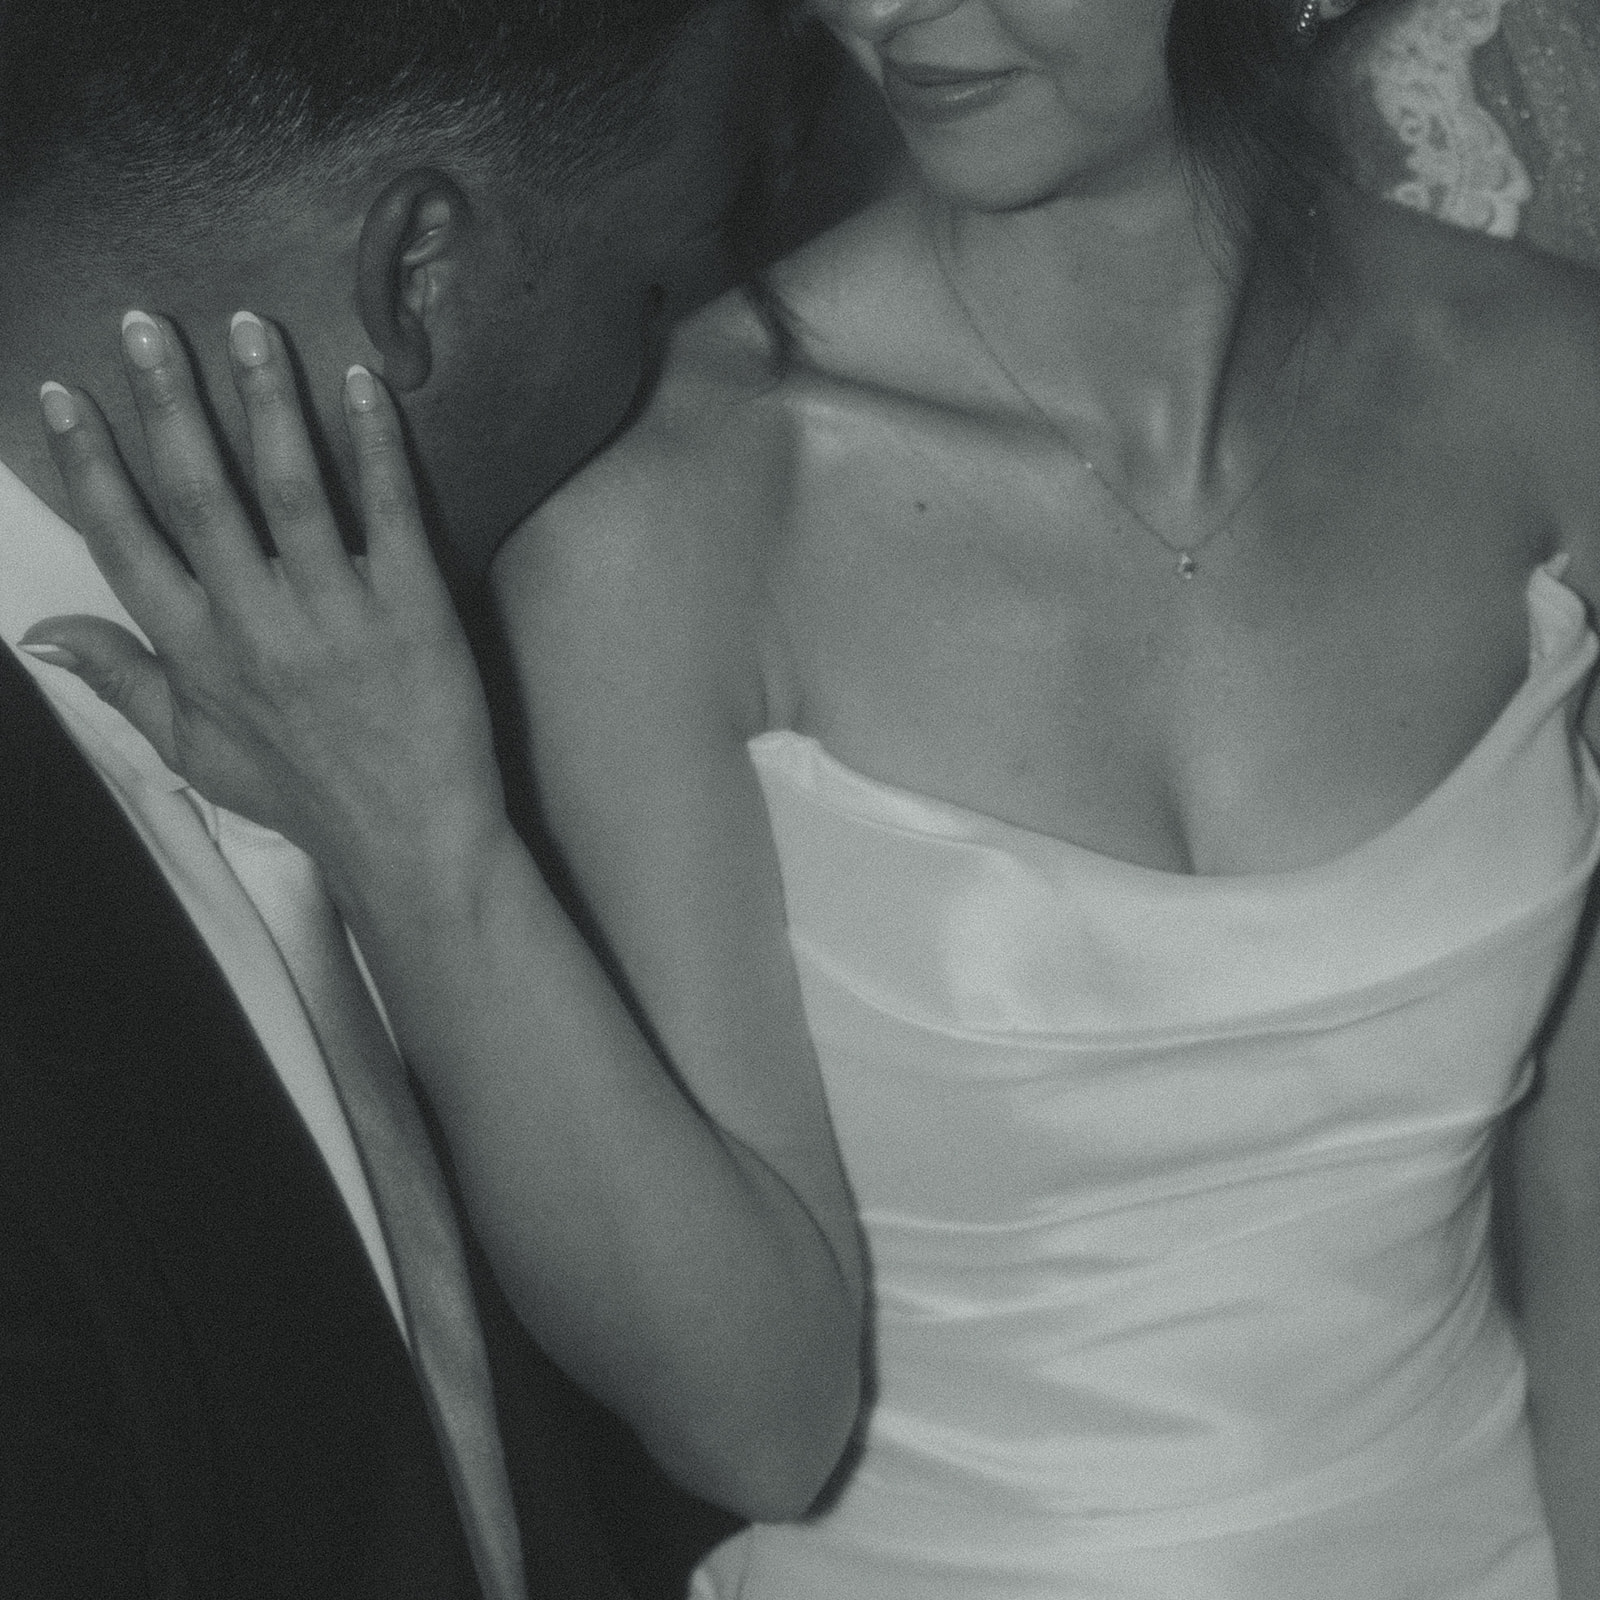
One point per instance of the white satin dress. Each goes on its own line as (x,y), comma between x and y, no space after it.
(1176,1187)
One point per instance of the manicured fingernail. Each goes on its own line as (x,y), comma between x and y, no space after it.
(54,654)
(60,409)
(360,389)
(249,339)
(143,340)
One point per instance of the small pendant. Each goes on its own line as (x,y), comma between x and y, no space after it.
(1187,566)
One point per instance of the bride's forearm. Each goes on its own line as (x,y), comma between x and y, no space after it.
(665,1264)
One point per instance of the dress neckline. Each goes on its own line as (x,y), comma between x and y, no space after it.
(1561,649)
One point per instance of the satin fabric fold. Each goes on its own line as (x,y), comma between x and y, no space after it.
(1176,1187)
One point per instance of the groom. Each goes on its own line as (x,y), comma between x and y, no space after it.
(244,1348)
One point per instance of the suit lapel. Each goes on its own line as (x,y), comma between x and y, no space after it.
(104,981)
(107,992)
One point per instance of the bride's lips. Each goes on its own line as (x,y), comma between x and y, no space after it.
(925,93)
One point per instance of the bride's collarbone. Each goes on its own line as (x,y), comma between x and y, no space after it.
(977,616)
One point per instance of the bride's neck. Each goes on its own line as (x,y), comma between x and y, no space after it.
(1121,312)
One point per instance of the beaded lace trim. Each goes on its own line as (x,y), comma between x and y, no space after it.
(1463,169)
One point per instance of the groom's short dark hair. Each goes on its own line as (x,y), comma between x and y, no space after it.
(136,104)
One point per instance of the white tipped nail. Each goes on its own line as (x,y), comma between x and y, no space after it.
(60,409)
(55,655)
(143,340)
(248,336)
(360,388)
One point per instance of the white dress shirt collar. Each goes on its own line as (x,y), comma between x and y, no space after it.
(48,572)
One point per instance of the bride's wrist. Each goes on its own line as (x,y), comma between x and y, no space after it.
(434,872)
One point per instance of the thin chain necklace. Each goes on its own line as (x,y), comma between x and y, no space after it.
(1187,566)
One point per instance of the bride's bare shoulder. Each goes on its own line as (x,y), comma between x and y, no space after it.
(1513,331)
(648,563)
(1496,301)
(694,465)
(857,297)
(709,452)
(1502,302)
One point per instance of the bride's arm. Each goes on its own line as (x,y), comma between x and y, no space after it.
(672,1223)
(1554,1214)
(1552,390)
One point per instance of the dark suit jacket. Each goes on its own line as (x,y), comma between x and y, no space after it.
(201,1390)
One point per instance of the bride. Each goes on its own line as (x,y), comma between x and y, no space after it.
(1088,670)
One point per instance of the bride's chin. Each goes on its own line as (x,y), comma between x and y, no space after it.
(998,185)
(991,165)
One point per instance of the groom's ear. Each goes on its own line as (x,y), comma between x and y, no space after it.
(412,242)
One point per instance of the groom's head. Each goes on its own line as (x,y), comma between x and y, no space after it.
(494,203)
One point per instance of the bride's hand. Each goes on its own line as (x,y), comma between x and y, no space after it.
(331,697)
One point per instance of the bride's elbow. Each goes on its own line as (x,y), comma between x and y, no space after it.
(781,1458)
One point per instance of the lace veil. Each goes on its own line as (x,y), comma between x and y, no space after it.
(1484,112)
